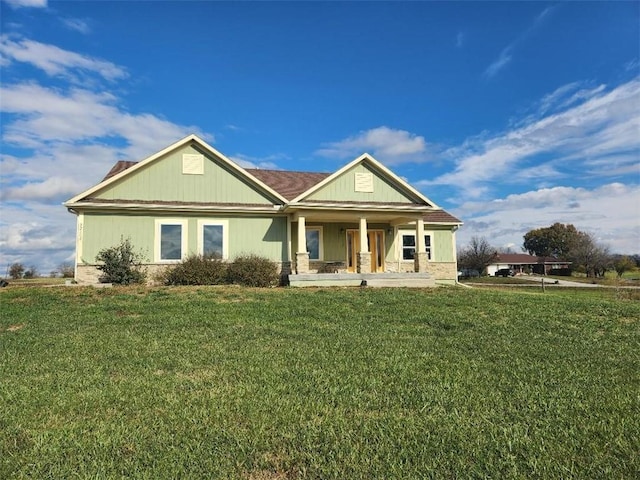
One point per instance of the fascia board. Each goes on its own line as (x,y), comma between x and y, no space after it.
(357,206)
(97,206)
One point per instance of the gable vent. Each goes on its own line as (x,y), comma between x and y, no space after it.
(364,182)
(192,164)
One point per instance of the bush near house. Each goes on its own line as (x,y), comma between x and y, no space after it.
(246,270)
(121,265)
(196,270)
(253,271)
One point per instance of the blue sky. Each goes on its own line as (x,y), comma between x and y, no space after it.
(511,116)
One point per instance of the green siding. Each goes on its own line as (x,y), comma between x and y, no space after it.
(259,235)
(163,180)
(342,188)
(442,238)
(103,231)
(443,246)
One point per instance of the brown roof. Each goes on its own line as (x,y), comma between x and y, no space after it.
(120,166)
(286,183)
(525,259)
(440,216)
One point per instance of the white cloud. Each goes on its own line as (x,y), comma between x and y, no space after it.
(459,39)
(67,139)
(611,212)
(76,24)
(507,52)
(503,59)
(45,115)
(50,188)
(388,145)
(55,61)
(265,163)
(26,3)
(45,240)
(600,125)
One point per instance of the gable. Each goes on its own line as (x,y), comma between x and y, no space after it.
(362,182)
(188,173)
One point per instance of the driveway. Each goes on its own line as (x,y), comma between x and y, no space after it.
(560,283)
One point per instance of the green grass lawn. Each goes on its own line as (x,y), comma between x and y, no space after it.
(328,383)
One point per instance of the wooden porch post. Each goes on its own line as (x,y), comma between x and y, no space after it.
(420,257)
(364,256)
(302,256)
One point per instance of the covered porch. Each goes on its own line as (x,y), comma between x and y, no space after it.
(356,243)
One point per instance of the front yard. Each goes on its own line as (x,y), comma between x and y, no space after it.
(319,383)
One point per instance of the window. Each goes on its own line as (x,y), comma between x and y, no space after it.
(213,238)
(171,240)
(409,246)
(314,243)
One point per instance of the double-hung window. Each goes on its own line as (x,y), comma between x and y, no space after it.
(171,240)
(213,239)
(409,246)
(314,242)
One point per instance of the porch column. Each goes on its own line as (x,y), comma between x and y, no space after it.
(420,258)
(302,256)
(364,256)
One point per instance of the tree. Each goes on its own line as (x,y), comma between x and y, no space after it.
(16,270)
(32,272)
(554,241)
(623,264)
(120,264)
(594,259)
(66,270)
(477,255)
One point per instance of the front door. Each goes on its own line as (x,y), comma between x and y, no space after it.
(375,239)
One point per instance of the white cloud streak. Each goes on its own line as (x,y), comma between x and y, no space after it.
(388,145)
(77,25)
(611,212)
(506,55)
(26,3)
(55,61)
(597,125)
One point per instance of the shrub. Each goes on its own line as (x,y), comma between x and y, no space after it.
(31,272)
(253,271)
(66,270)
(196,270)
(121,265)
(16,270)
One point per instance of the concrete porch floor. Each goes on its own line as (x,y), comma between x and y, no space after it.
(415,280)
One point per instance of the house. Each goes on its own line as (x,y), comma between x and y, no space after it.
(523,263)
(189,198)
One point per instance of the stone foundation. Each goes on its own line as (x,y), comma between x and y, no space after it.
(302,262)
(420,262)
(441,271)
(364,262)
(90,275)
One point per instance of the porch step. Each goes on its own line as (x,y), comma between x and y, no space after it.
(411,280)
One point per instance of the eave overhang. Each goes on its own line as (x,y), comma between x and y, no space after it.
(175,207)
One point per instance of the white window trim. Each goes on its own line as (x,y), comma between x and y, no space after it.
(158,238)
(320,242)
(225,235)
(427,233)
